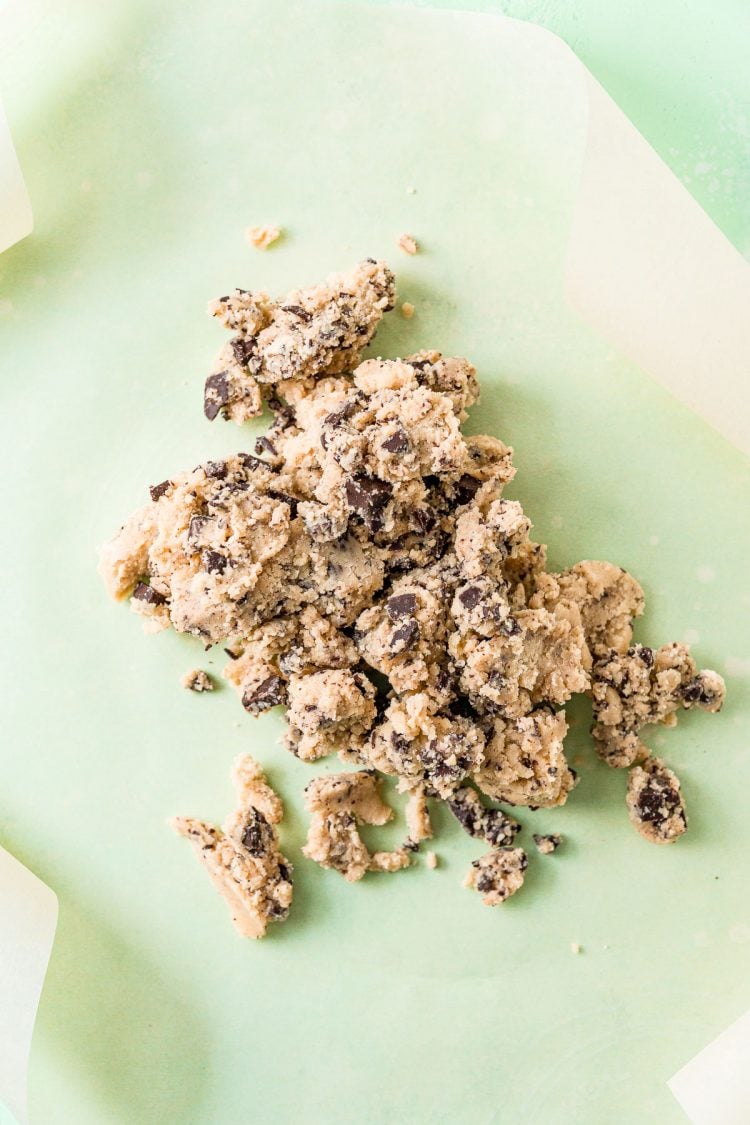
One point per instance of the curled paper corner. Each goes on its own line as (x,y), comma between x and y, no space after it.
(28,920)
(16,218)
(649,270)
(714,1087)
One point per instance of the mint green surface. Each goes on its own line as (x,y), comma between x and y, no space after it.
(148,145)
(678,69)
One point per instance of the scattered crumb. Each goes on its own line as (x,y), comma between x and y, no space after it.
(263,237)
(197,680)
(431,860)
(547,844)
(576,947)
(407,310)
(411,191)
(407,243)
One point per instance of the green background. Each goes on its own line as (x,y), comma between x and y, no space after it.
(150,138)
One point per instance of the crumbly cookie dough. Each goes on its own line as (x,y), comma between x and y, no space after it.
(644,686)
(492,825)
(244,860)
(263,237)
(338,803)
(418,823)
(307,334)
(498,874)
(548,844)
(655,804)
(524,761)
(363,569)
(197,680)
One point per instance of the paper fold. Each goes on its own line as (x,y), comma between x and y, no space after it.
(16,220)
(28,919)
(651,272)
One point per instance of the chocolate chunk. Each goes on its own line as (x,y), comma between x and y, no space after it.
(292,501)
(217,394)
(297,310)
(467,488)
(285,873)
(158,490)
(405,636)
(258,835)
(398,442)
(657,802)
(270,693)
(253,464)
(368,497)
(401,605)
(424,518)
(265,445)
(470,597)
(145,593)
(196,531)
(214,562)
(645,654)
(215,470)
(244,348)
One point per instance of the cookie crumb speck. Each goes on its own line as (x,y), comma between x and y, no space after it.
(547,844)
(431,860)
(407,310)
(263,237)
(411,190)
(576,947)
(407,243)
(197,680)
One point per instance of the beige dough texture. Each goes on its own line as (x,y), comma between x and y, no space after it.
(243,860)
(363,569)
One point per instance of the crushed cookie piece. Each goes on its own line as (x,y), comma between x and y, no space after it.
(431,860)
(576,947)
(263,237)
(197,680)
(407,310)
(407,243)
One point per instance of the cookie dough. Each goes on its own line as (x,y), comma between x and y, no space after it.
(498,874)
(197,680)
(492,825)
(546,845)
(306,334)
(244,860)
(644,686)
(655,804)
(524,761)
(338,803)
(363,569)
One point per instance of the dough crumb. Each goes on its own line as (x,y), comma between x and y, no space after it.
(407,243)
(339,802)
(655,804)
(263,237)
(498,874)
(411,191)
(243,859)
(197,680)
(407,310)
(576,947)
(431,860)
(547,844)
